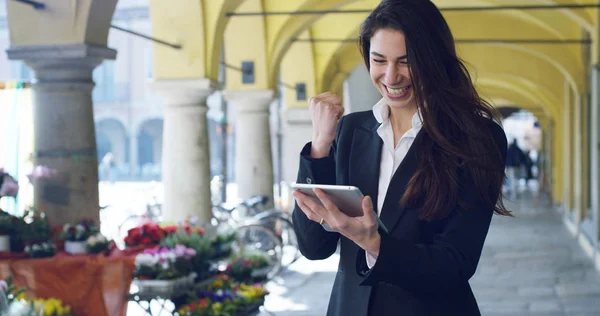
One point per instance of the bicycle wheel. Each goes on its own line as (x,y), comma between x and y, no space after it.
(284,229)
(258,238)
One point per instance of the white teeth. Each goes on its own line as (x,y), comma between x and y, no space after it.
(397,91)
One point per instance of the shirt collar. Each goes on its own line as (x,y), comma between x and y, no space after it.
(381,111)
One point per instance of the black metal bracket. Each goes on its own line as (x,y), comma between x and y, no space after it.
(36,5)
(247,71)
(469,41)
(175,46)
(299,88)
(470,8)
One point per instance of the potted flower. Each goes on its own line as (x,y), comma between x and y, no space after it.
(40,250)
(76,236)
(227,298)
(10,290)
(146,235)
(34,227)
(195,240)
(164,270)
(97,243)
(51,307)
(251,267)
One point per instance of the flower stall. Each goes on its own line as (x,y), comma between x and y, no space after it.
(198,270)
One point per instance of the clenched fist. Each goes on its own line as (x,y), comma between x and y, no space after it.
(326,109)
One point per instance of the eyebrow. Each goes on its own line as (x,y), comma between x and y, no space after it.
(380,55)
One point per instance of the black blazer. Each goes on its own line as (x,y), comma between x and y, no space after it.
(423,267)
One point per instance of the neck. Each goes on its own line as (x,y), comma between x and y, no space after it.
(401,120)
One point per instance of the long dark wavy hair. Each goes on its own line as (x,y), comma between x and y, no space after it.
(457,141)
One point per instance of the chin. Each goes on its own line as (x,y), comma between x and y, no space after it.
(401,104)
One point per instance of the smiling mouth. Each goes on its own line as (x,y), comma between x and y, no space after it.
(396,92)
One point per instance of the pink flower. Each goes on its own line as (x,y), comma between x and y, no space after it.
(41,172)
(9,187)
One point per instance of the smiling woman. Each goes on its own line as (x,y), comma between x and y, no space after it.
(429,159)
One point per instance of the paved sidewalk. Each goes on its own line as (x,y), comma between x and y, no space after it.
(530,266)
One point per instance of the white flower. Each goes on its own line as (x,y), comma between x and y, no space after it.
(27,249)
(101,238)
(45,246)
(92,240)
(145,260)
(36,247)
(66,227)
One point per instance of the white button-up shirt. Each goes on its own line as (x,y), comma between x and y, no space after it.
(391,154)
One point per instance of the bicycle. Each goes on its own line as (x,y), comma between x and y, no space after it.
(279,224)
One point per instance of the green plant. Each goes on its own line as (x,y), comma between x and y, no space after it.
(241,267)
(6,224)
(11,290)
(40,250)
(202,245)
(97,243)
(34,227)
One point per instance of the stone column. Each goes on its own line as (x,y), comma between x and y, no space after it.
(253,154)
(297,131)
(185,152)
(64,134)
(595,152)
(567,149)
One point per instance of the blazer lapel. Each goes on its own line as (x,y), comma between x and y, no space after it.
(392,208)
(365,157)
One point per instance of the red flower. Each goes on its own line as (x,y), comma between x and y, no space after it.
(146,241)
(203,303)
(200,230)
(170,229)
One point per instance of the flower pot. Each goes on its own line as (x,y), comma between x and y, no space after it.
(5,243)
(75,247)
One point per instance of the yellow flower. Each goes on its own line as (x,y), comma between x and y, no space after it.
(217,306)
(218,283)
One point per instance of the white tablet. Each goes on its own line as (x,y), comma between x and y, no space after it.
(347,198)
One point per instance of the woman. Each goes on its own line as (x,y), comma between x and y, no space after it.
(429,160)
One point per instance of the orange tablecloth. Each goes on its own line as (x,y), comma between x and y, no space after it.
(90,284)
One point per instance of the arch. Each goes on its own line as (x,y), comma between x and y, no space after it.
(112,136)
(112,147)
(548,21)
(149,150)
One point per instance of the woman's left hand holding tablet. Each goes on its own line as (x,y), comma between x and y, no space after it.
(361,230)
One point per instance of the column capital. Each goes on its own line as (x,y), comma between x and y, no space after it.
(297,116)
(182,92)
(250,100)
(59,67)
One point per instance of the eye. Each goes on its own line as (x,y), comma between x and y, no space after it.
(379,61)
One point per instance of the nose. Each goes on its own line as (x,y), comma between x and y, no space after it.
(391,74)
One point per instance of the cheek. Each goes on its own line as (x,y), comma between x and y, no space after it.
(376,73)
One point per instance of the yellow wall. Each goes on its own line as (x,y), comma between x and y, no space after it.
(180,24)
(298,66)
(245,40)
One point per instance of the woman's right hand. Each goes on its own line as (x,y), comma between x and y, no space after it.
(326,109)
